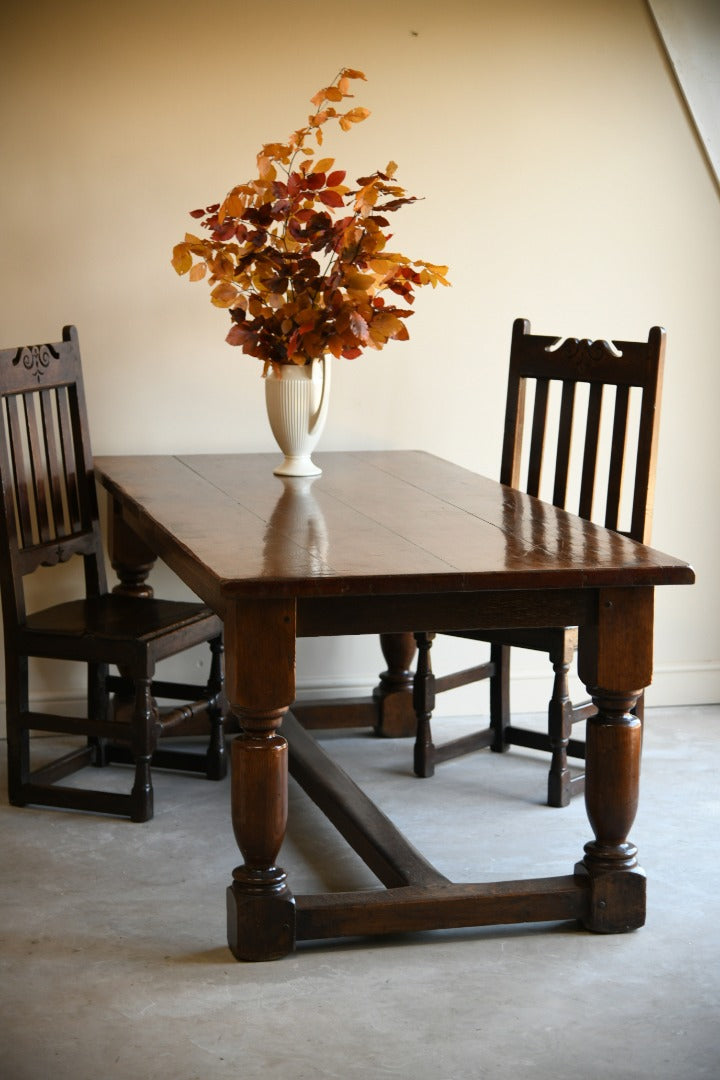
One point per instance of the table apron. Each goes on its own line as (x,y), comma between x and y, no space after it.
(319,616)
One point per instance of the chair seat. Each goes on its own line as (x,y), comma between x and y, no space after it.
(116,626)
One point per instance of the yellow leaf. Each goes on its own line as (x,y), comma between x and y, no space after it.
(323,165)
(198,271)
(438,273)
(365,200)
(223,295)
(356,115)
(232,207)
(266,168)
(353,279)
(181,259)
(276,150)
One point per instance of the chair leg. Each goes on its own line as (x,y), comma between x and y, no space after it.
(98,707)
(500,697)
(559,730)
(18,737)
(143,744)
(216,755)
(424,703)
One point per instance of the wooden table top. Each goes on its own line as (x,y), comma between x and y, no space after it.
(374,523)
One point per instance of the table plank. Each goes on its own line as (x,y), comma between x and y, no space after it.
(373,523)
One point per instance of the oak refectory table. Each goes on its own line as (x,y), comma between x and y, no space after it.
(390,543)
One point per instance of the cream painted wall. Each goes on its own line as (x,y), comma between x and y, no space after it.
(562,182)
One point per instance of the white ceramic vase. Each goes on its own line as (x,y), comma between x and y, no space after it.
(297,404)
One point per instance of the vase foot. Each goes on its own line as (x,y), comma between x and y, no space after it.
(297,466)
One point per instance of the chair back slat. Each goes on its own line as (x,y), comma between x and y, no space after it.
(512,443)
(617,458)
(564,441)
(537,439)
(49,505)
(574,455)
(68,459)
(23,531)
(54,468)
(36,469)
(590,455)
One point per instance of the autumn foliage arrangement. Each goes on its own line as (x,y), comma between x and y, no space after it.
(299,258)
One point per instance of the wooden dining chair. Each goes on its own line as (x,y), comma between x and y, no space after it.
(567,387)
(50,515)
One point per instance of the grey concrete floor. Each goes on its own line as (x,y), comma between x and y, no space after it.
(114,963)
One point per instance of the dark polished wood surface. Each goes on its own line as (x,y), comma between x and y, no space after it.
(392,542)
(374,522)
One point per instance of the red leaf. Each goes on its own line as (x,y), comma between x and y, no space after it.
(331,198)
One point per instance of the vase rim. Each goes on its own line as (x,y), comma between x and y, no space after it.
(301,370)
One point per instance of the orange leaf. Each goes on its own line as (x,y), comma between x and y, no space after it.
(356,115)
(233,206)
(266,168)
(181,259)
(223,295)
(198,271)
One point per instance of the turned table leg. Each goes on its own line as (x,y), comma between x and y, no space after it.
(615,662)
(132,561)
(130,558)
(393,694)
(260,670)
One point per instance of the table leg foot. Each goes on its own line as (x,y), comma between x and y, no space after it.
(393,695)
(260,923)
(617,901)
